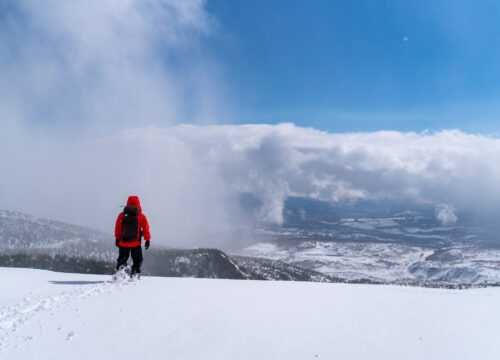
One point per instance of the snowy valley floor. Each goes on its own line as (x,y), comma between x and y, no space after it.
(49,315)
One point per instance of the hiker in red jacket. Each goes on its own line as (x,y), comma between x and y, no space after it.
(131,226)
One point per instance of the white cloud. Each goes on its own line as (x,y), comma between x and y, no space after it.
(446,214)
(189,176)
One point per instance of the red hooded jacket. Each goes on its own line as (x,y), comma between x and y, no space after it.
(143,224)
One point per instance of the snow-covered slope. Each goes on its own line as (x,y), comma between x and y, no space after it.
(388,262)
(25,233)
(48,315)
(269,269)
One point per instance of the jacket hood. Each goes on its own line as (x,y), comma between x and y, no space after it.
(134,201)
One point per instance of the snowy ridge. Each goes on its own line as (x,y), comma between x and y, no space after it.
(26,233)
(278,270)
(245,273)
(199,263)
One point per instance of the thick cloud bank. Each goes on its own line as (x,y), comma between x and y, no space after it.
(189,177)
(450,168)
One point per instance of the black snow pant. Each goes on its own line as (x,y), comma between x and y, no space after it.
(136,257)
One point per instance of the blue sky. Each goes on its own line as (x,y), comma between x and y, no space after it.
(362,65)
(96,67)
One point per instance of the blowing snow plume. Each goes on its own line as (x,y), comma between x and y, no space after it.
(446,214)
(73,71)
(99,65)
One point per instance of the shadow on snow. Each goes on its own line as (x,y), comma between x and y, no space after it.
(76,282)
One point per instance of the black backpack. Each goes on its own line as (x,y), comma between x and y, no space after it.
(130,224)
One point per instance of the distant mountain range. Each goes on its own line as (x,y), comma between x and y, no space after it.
(408,247)
(387,263)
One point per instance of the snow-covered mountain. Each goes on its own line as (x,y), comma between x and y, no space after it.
(278,270)
(199,263)
(49,315)
(25,233)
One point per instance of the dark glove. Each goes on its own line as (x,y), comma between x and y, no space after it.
(117,242)
(146,244)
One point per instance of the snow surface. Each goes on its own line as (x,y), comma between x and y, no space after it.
(49,315)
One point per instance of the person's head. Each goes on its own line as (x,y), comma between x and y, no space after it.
(134,201)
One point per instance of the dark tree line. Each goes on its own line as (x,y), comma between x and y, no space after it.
(62,263)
